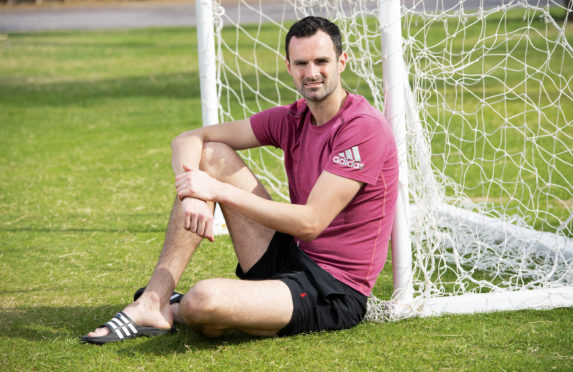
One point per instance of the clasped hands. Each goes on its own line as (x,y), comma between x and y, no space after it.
(194,189)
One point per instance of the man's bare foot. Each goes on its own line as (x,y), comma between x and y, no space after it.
(146,311)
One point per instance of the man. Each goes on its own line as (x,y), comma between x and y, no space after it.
(305,266)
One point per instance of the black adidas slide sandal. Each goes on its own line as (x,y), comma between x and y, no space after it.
(175,296)
(122,328)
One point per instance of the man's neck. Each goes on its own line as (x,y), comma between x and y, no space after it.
(325,110)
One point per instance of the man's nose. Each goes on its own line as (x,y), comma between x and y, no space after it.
(312,70)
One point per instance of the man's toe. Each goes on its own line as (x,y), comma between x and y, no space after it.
(102,331)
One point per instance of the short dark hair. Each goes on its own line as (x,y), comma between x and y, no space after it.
(309,26)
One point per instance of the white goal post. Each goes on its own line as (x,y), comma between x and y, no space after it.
(479,94)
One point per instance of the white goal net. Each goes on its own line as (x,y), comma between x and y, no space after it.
(488,87)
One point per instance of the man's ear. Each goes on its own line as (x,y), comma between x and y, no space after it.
(342,59)
(288,66)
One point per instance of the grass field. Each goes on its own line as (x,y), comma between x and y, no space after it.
(86,120)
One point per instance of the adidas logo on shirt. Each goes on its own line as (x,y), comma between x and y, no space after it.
(349,158)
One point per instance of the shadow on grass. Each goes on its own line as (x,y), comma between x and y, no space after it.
(85,92)
(64,223)
(53,324)
(19,93)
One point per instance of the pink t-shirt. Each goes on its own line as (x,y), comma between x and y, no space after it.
(356,143)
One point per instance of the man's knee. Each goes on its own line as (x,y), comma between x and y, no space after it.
(200,304)
(216,158)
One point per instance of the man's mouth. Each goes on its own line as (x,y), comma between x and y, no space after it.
(313,84)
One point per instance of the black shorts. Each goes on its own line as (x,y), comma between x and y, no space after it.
(320,301)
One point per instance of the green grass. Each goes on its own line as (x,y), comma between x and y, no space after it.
(86,121)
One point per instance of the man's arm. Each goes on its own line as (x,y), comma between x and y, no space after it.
(187,149)
(188,146)
(329,195)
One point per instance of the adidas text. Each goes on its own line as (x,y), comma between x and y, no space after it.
(347,163)
(350,158)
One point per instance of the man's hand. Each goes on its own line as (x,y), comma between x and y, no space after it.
(196,184)
(194,188)
(197,217)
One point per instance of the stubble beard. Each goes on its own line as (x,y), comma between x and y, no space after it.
(317,95)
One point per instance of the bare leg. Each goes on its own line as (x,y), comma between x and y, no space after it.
(259,308)
(152,308)
(249,237)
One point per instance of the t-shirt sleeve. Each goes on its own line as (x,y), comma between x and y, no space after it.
(268,126)
(361,148)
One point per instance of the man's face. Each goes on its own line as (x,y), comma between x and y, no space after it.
(314,67)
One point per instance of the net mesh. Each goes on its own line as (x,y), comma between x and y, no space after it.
(489,128)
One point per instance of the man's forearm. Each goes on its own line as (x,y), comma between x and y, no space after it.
(298,220)
(329,196)
(186,149)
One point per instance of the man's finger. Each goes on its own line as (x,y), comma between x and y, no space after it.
(200,228)
(193,224)
(185,221)
(183,193)
(179,182)
(209,230)
(181,177)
